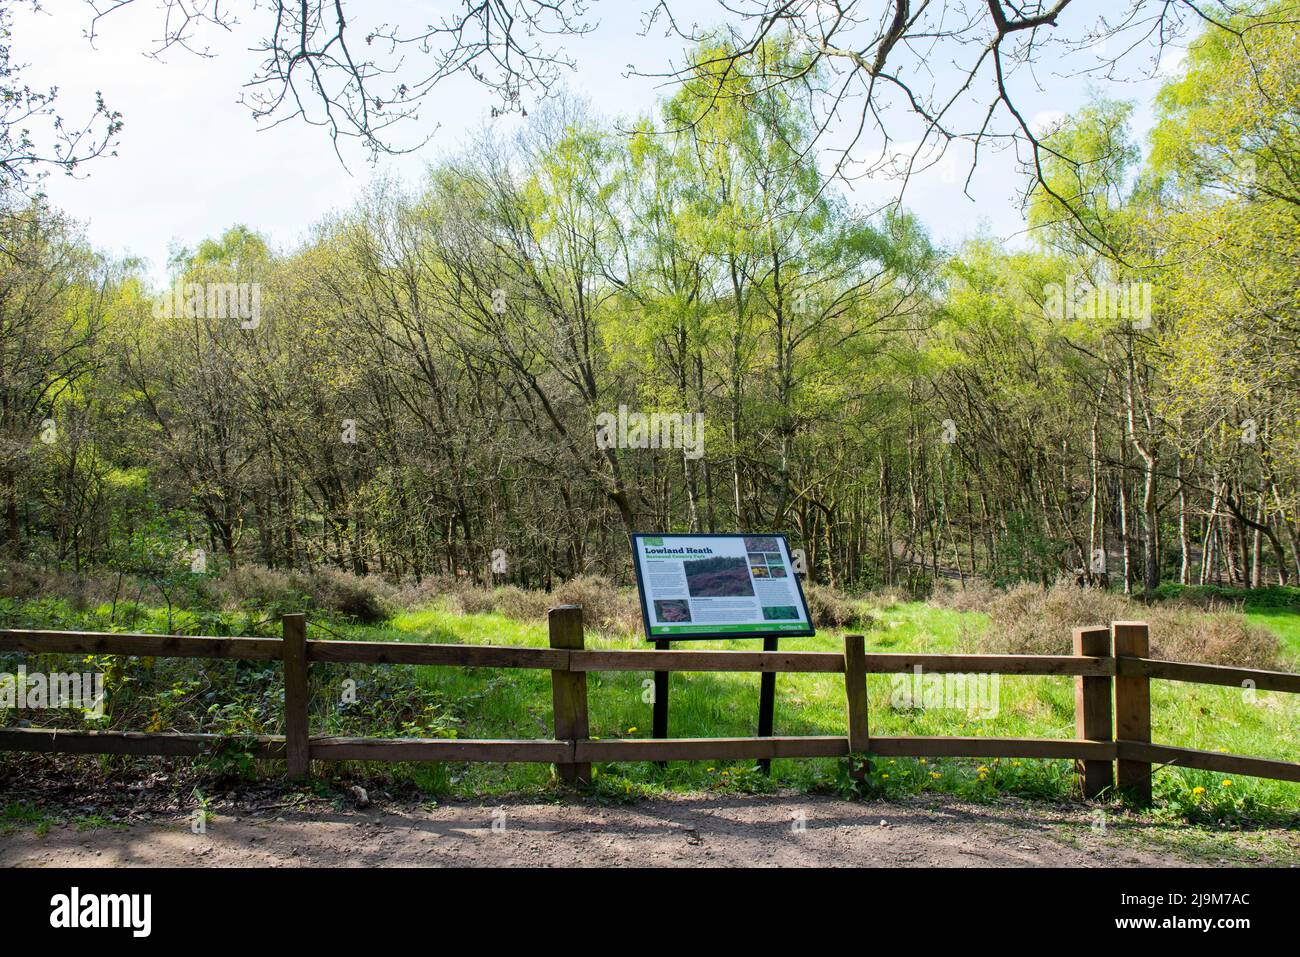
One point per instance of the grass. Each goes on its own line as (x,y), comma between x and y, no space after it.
(1276,607)
(1285,623)
(516,703)
(17,815)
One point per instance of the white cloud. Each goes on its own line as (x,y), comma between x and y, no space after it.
(1044,121)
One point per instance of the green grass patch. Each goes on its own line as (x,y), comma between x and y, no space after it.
(18,815)
(516,703)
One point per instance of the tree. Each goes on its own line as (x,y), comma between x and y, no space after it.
(34,136)
(50,319)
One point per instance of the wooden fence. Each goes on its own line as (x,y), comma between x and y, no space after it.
(1110,665)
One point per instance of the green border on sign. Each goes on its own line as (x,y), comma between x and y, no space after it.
(714,629)
(764,629)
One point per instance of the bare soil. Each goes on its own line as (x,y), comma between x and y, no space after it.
(787,829)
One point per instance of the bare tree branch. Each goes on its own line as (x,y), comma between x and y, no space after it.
(34,136)
(324,65)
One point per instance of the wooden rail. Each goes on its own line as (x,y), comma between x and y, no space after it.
(1112,671)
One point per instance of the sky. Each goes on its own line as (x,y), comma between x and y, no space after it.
(192,162)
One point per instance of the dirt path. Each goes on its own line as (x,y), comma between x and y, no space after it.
(708,831)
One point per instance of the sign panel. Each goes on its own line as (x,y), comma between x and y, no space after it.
(718,586)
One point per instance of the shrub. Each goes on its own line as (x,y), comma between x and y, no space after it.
(428,590)
(1223,638)
(885,596)
(1220,597)
(973,595)
(521,604)
(604,607)
(361,598)
(81,590)
(831,608)
(472,600)
(1030,619)
(259,587)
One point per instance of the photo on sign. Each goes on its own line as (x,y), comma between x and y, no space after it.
(717,578)
(780,612)
(718,586)
(672,610)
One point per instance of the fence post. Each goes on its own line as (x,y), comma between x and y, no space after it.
(1092,717)
(855,692)
(1132,709)
(294,656)
(569,690)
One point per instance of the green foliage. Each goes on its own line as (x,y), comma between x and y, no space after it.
(424,387)
(1274,596)
(20,814)
(1087,175)
(1204,798)
(979,781)
(241,699)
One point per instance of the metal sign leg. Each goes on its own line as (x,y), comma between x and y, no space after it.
(766,705)
(660,725)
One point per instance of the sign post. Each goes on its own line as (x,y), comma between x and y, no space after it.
(696,587)
(767,704)
(659,727)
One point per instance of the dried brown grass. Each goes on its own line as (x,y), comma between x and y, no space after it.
(973,595)
(1031,619)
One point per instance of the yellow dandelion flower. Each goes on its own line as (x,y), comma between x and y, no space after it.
(1198,790)
(1227,783)
(631,730)
(934,774)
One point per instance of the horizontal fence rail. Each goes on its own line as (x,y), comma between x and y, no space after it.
(1209,674)
(143,646)
(794,662)
(552,659)
(135,743)
(1112,746)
